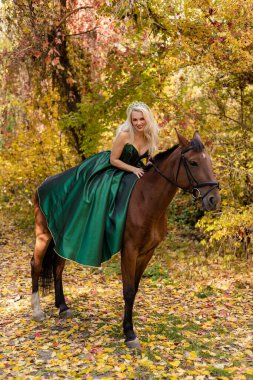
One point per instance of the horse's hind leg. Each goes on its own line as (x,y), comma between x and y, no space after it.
(43,238)
(60,303)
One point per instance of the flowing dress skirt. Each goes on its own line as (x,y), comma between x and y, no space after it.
(85,207)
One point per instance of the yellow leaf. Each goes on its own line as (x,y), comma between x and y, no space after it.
(175,363)
(191,355)
(160,367)
(109,350)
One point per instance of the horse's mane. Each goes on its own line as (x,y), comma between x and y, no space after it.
(160,156)
(195,145)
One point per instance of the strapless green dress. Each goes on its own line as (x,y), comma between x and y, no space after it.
(85,207)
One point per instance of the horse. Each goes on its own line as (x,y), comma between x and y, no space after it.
(185,166)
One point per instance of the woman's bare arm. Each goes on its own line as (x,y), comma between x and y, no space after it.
(116,152)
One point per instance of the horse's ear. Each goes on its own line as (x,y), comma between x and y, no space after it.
(183,142)
(197,137)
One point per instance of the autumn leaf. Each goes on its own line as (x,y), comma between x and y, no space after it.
(37,53)
(91,344)
(55,61)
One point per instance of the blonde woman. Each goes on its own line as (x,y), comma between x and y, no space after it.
(85,207)
(140,131)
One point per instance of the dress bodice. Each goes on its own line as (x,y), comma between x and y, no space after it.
(131,156)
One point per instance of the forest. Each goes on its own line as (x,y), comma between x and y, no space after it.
(68,71)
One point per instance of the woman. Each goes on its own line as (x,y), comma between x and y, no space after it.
(85,207)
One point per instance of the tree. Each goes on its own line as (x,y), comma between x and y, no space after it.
(79,64)
(205,51)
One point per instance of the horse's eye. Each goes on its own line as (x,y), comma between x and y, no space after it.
(193,163)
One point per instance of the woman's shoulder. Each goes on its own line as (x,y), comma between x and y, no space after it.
(123,137)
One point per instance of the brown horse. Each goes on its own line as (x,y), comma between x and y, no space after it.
(186,166)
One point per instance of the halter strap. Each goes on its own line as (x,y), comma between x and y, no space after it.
(195,185)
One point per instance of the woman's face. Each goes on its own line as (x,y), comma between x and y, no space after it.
(138,121)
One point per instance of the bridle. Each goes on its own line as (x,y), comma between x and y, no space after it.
(195,185)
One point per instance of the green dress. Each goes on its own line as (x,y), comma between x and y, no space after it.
(85,207)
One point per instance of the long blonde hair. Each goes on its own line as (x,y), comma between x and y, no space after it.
(151,130)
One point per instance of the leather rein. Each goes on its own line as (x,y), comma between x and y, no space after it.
(195,185)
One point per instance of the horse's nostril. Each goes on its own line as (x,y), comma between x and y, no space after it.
(212,201)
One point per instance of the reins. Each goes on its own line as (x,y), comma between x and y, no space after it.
(195,185)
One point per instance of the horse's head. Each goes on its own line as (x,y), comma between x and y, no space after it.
(194,172)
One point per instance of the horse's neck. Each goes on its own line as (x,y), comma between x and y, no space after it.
(157,191)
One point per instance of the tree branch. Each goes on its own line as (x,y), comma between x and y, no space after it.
(79,34)
(72,12)
(154,18)
(220,115)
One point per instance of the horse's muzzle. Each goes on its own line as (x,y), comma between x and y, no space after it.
(212,200)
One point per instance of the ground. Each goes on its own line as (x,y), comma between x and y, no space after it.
(193,317)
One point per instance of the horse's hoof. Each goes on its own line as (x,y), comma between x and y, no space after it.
(39,316)
(133,343)
(65,314)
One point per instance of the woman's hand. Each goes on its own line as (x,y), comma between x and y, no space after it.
(138,171)
(149,160)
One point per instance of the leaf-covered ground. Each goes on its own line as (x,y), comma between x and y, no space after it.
(193,318)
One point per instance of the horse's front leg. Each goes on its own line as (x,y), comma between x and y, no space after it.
(141,265)
(58,266)
(128,267)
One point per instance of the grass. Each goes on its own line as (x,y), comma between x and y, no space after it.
(218,372)
(206,292)
(156,271)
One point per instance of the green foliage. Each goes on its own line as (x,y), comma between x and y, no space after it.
(227,233)
(91,115)
(185,211)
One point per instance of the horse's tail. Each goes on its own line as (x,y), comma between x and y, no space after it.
(46,274)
